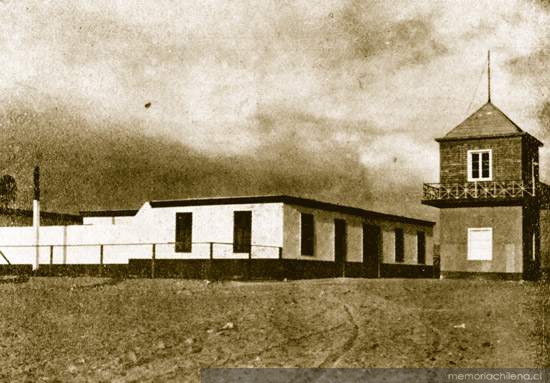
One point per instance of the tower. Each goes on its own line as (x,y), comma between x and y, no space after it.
(489,196)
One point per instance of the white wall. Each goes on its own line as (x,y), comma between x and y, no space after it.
(112,220)
(80,244)
(215,224)
(210,224)
(97,220)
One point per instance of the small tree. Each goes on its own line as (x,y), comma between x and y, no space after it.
(8,190)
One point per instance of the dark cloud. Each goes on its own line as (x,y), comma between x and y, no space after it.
(482,29)
(410,42)
(534,65)
(545,3)
(87,167)
(544,117)
(534,69)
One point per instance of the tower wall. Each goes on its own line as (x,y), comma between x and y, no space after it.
(507,158)
(507,223)
(545,241)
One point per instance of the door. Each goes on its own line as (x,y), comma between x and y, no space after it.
(371,250)
(340,246)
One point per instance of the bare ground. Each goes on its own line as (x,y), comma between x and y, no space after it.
(101,330)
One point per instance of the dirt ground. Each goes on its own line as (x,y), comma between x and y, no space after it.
(101,330)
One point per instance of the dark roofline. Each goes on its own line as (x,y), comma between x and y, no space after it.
(108,213)
(43,214)
(520,133)
(506,135)
(291,200)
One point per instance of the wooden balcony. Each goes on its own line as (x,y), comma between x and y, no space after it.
(475,193)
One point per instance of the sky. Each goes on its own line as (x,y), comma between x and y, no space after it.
(122,102)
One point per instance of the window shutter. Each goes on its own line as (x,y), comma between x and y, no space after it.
(307,234)
(475,165)
(184,232)
(485,165)
(480,244)
(242,231)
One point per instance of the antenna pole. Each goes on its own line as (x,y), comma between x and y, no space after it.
(36,215)
(489,76)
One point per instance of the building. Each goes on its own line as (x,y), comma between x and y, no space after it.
(237,237)
(107,217)
(490,199)
(23,217)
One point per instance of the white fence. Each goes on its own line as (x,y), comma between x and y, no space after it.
(97,244)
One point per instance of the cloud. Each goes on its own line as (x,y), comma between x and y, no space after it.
(88,166)
(411,41)
(337,100)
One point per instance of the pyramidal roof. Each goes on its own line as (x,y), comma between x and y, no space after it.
(488,121)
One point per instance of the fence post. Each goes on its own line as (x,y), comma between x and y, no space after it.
(249,264)
(281,272)
(209,272)
(153,257)
(100,260)
(51,259)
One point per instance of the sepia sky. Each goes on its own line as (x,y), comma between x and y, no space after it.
(340,100)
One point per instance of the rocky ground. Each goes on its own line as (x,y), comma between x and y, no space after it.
(102,330)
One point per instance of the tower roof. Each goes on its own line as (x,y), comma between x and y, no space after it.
(486,122)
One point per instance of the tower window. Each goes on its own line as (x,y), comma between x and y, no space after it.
(480,244)
(480,165)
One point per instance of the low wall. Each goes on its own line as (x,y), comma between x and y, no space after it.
(79,270)
(15,269)
(267,269)
(482,275)
(219,269)
(395,270)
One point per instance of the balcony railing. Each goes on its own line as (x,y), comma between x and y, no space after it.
(486,190)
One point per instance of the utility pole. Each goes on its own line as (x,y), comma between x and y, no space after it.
(489,76)
(36,214)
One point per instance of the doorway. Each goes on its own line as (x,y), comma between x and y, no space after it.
(371,251)
(340,247)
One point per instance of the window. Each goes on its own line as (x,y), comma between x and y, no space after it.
(480,165)
(399,246)
(242,231)
(184,230)
(480,244)
(421,247)
(307,233)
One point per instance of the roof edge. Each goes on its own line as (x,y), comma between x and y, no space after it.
(109,213)
(479,137)
(287,199)
(44,213)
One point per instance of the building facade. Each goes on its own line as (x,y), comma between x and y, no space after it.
(490,198)
(22,217)
(238,237)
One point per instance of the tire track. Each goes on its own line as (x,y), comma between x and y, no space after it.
(334,358)
(284,343)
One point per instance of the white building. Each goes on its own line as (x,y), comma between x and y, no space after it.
(261,236)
